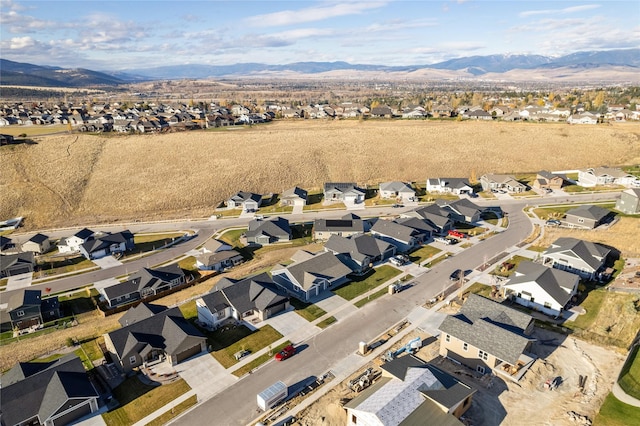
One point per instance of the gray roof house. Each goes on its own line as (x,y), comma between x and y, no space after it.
(16,264)
(545,179)
(411,392)
(598,176)
(47,393)
(343,191)
(219,261)
(39,243)
(404,238)
(247,201)
(580,257)
(399,191)
(586,216)
(268,231)
(462,210)
(72,244)
(508,183)
(629,201)
(310,274)
(359,252)
(5,243)
(485,335)
(349,224)
(434,215)
(293,197)
(456,186)
(97,246)
(164,334)
(254,298)
(543,289)
(27,308)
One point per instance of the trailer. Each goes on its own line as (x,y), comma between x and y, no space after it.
(272,395)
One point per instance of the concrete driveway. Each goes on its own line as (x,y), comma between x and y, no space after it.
(107,262)
(287,322)
(16,282)
(205,375)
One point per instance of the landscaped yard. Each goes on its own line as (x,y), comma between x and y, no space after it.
(308,311)
(504,271)
(149,242)
(227,341)
(327,322)
(232,236)
(373,279)
(174,412)
(373,296)
(630,375)
(51,266)
(616,413)
(591,304)
(258,361)
(137,400)
(479,288)
(423,253)
(189,309)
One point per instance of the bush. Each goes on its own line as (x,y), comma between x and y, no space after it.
(70,342)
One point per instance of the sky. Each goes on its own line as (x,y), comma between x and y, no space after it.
(137,34)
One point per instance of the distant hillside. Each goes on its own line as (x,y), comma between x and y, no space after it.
(22,74)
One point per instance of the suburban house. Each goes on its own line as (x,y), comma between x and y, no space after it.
(269,231)
(596,176)
(462,210)
(411,392)
(39,243)
(310,274)
(587,216)
(16,264)
(26,309)
(247,201)
(348,225)
(102,245)
(424,229)
(293,197)
(580,257)
(5,243)
(49,393)
(404,238)
(399,191)
(487,336)
(144,283)
(437,217)
(152,337)
(256,297)
(629,201)
(507,183)
(543,289)
(72,244)
(218,261)
(585,118)
(359,252)
(548,180)
(343,191)
(456,186)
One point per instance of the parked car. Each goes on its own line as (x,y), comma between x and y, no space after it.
(456,275)
(285,353)
(553,222)
(396,260)
(442,240)
(395,206)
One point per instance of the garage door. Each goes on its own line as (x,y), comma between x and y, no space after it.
(18,270)
(188,353)
(81,410)
(275,309)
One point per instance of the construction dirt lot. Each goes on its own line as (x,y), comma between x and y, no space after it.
(498,402)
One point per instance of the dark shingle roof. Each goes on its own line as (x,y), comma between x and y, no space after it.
(256,292)
(358,246)
(592,254)
(324,265)
(550,280)
(39,238)
(491,327)
(590,212)
(209,259)
(140,312)
(277,227)
(394,230)
(24,298)
(338,225)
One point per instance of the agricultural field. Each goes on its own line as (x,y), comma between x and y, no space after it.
(76,179)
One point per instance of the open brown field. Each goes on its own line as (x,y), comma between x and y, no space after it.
(84,179)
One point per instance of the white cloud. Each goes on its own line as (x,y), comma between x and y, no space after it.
(21,42)
(312,14)
(572,9)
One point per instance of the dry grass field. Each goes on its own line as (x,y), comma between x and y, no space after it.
(84,179)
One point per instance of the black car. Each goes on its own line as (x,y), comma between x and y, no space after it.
(456,275)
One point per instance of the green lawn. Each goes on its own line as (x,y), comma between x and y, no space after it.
(174,412)
(232,236)
(189,309)
(188,264)
(360,303)
(423,253)
(503,272)
(371,280)
(630,375)
(479,288)
(249,341)
(149,242)
(327,322)
(437,260)
(591,304)
(137,400)
(613,412)
(308,311)
(258,361)
(51,266)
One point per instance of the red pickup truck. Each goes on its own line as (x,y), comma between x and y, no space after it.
(285,353)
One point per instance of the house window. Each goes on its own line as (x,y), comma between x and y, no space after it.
(482,355)
(220,314)
(480,369)
(20,313)
(580,220)
(465,346)
(354,419)
(132,359)
(447,338)
(547,305)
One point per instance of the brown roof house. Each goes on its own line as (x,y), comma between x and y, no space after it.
(488,337)
(548,180)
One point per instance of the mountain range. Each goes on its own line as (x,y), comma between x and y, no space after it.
(610,65)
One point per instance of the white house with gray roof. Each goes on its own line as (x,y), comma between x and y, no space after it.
(399,191)
(269,231)
(508,183)
(580,257)
(347,225)
(247,201)
(346,192)
(599,176)
(310,274)
(487,336)
(359,252)
(293,197)
(456,186)
(411,392)
(462,210)
(629,201)
(543,289)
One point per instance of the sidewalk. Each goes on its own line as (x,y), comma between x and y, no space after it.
(619,393)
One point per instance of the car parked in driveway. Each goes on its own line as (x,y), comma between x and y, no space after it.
(553,222)
(285,353)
